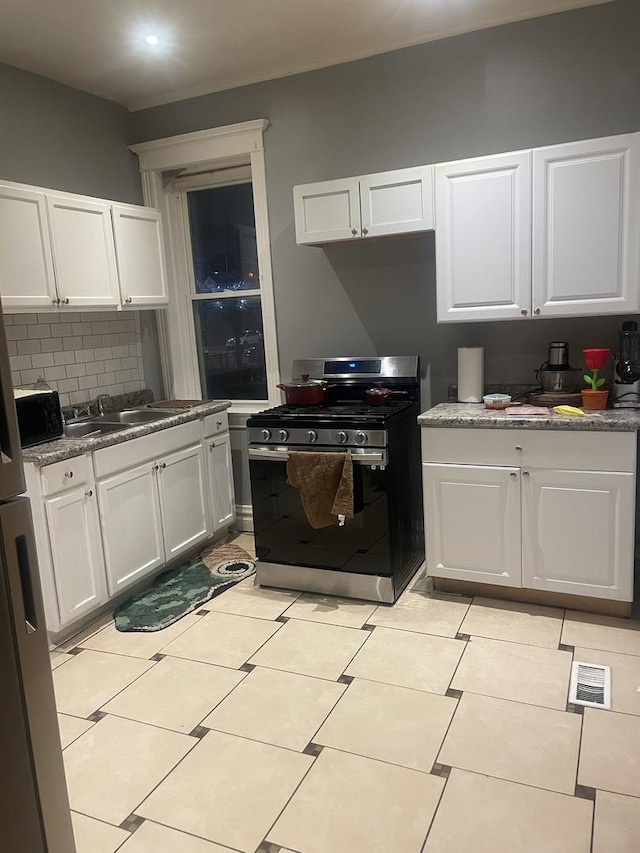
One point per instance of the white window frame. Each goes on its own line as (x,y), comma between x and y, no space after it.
(206,151)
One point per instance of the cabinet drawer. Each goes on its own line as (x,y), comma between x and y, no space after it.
(216,423)
(65,475)
(131,453)
(520,448)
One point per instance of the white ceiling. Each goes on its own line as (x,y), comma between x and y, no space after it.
(210,45)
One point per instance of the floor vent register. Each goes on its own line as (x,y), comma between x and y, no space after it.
(590,685)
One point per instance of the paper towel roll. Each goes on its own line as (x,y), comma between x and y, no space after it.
(470,374)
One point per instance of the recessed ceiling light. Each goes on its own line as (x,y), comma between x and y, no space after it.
(152,39)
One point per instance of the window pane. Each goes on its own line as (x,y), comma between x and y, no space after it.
(231,348)
(223,238)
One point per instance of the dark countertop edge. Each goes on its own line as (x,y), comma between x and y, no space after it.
(66,448)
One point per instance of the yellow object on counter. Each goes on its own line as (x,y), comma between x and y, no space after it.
(570,411)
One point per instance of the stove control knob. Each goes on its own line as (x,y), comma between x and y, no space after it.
(312,436)
(265,434)
(342,437)
(283,435)
(361,438)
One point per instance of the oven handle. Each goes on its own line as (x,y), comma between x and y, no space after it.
(358,457)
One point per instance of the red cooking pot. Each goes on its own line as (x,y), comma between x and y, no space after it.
(380,396)
(305,391)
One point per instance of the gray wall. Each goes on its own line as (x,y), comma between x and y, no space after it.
(559,78)
(54,136)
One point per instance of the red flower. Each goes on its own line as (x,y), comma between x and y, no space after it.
(595,359)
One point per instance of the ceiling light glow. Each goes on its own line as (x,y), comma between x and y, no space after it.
(152,39)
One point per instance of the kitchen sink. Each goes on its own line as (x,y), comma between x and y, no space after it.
(90,429)
(134,417)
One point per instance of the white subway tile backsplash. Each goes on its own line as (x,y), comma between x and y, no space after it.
(54,373)
(42,360)
(77,360)
(51,345)
(28,347)
(41,330)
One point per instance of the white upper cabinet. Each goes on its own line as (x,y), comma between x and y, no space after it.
(586,220)
(483,238)
(26,266)
(398,202)
(83,251)
(140,256)
(327,211)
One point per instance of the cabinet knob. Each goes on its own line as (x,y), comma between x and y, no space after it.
(513,474)
(365,231)
(89,493)
(65,301)
(536,310)
(55,301)
(518,447)
(163,465)
(354,231)
(525,473)
(128,300)
(68,474)
(155,467)
(218,424)
(211,446)
(524,312)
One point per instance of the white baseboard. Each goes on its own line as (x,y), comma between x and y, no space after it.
(244,518)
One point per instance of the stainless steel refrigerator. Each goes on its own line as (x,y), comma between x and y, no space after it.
(34,806)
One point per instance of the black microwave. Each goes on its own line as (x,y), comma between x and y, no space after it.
(39,416)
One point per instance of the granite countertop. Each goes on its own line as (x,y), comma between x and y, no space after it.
(66,448)
(475,415)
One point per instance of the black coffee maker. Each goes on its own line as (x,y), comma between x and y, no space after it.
(626,383)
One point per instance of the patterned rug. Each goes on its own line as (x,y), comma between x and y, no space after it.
(179,591)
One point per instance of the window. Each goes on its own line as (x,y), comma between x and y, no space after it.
(225,291)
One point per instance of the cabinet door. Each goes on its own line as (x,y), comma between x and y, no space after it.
(578,532)
(397,202)
(483,238)
(140,256)
(131,526)
(472,523)
(586,227)
(221,491)
(83,252)
(26,265)
(327,211)
(183,500)
(76,551)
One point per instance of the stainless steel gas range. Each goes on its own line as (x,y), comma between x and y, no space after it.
(375,553)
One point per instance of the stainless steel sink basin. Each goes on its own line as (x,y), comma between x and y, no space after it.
(90,429)
(134,417)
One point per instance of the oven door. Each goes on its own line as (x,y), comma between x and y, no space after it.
(283,534)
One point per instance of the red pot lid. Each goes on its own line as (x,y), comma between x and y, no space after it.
(379,390)
(305,382)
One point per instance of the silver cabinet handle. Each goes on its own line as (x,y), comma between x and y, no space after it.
(155,467)
(354,231)
(65,301)
(536,310)
(128,300)
(524,312)
(518,447)
(365,231)
(68,474)
(55,301)
(89,493)
(513,474)
(218,424)
(163,465)
(525,473)
(211,446)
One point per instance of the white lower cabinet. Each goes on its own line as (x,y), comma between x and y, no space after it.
(76,553)
(540,521)
(183,501)
(131,525)
(473,523)
(577,532)
(220,481)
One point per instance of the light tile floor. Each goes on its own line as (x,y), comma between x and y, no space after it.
(272,721)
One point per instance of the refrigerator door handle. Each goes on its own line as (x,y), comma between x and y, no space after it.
(26,584)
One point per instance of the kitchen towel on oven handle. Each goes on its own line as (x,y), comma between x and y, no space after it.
(325,483)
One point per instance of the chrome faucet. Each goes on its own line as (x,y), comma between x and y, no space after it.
(79,411)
